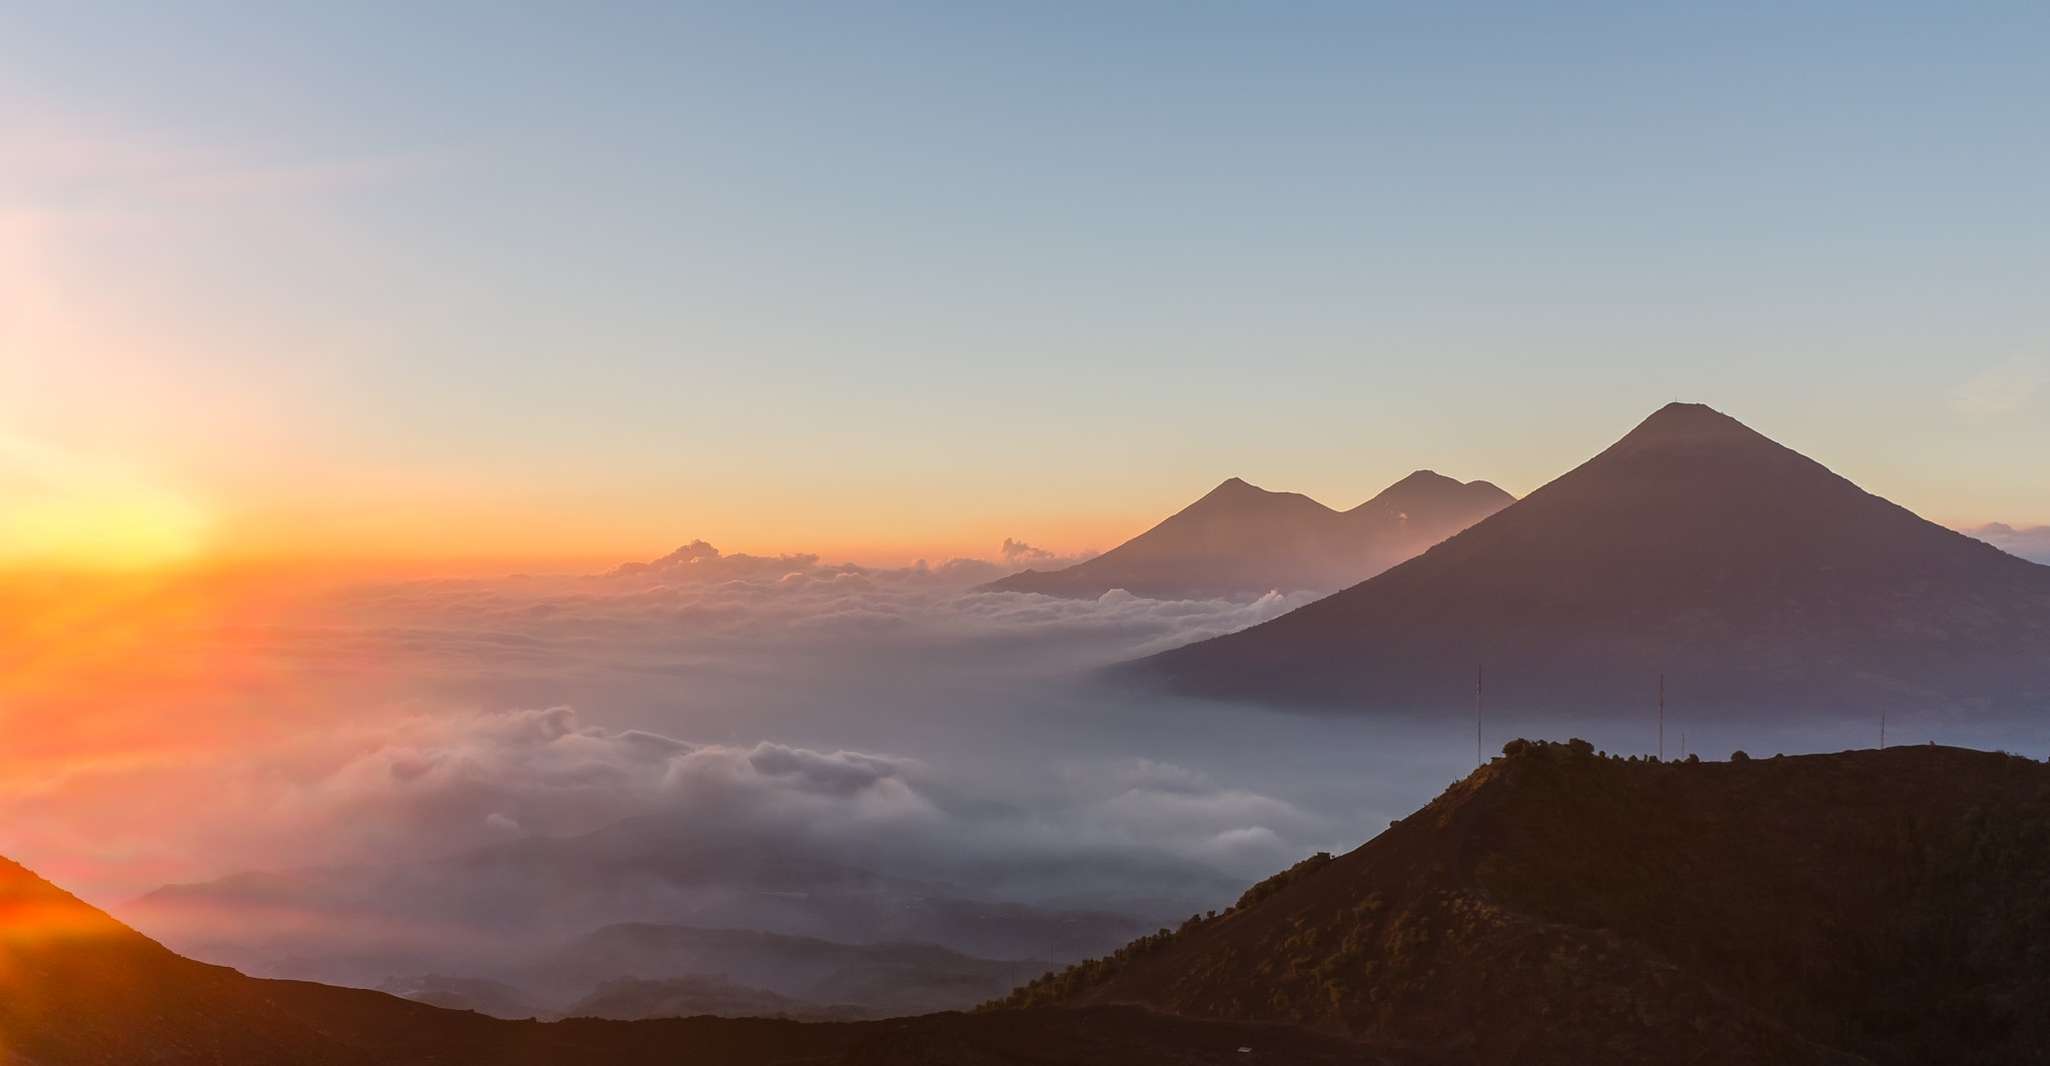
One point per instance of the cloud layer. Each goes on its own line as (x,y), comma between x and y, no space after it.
(2032,543)
(444,784)
(898,711)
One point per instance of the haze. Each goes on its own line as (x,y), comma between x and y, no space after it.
(470,478)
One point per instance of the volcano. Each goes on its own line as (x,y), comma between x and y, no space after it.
(1241,540)
(1695,548)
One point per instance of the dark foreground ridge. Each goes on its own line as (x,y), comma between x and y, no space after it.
(1557,906)
(1560,906)
(77,987)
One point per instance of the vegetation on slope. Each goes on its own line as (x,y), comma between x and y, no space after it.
(1560,906)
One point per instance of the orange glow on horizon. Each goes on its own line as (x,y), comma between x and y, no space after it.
(63,510)
(314,561)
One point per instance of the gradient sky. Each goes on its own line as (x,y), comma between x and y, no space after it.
(887,280)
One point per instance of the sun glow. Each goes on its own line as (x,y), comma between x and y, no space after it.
(59,509)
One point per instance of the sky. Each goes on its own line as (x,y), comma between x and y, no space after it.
(388,285)
(359,294)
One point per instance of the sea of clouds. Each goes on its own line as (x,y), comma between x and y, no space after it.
(789,712)
(894,718)
(898,713)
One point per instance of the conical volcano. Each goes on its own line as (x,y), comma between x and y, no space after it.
(1694,547)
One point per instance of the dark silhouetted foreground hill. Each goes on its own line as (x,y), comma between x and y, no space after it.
(77,987)
(1751,576)
(1240,540)
(1886,907)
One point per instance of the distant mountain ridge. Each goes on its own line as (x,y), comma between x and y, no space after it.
(803,977)
(1694,547)
(1240,540)
(639,998)
(672,901)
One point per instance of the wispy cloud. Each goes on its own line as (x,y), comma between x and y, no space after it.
(62,166)
(2001,390)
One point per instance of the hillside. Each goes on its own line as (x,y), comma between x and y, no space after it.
(1240,540)
(1562,907)
(1751,576)
(77,987)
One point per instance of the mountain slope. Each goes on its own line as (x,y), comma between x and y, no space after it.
(1750,575)
(77,987)
(1560,907)
(1241,540)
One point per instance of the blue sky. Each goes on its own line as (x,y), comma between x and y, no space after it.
(901,279)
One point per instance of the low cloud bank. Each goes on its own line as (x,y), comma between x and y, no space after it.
(813,716)
(2031,543)
(741,630)
(441,785)
(472,843)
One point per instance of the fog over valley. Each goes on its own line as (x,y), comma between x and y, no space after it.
(484,775)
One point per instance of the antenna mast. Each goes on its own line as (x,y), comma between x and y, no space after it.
(1882,731)
(1478,677)
(1662,718)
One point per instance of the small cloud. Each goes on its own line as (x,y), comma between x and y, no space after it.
(1017,551)
(2001,390)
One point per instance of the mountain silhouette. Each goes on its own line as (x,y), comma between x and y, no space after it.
(879,978)
(1241,540)
(1562,907)
(78,987)
(1748,574)
(636,998)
